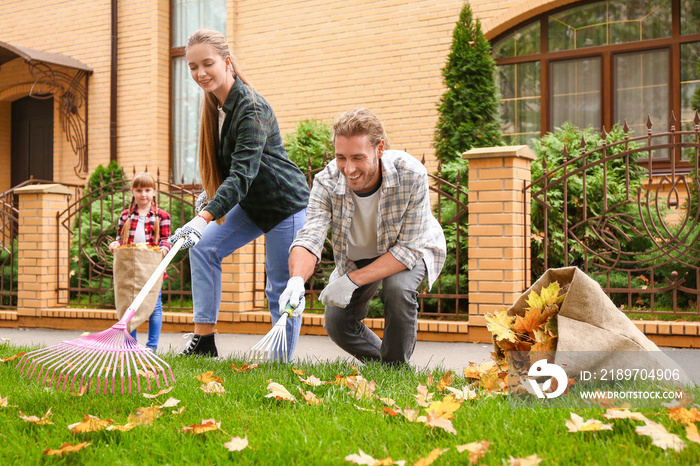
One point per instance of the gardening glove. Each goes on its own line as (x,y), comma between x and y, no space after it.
(201,202)
(192,230)
(338,292)
(294,295)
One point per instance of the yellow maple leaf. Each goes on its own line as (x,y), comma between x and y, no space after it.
(691,432)
(477,450)
(310,398)
(12,358)
(443,423)
(683,415)
(432,456)
(445,382)
(46,419)
(67,448)
(548,295)
(213,388)
(207,425)
(532,460)
(209,377)
(244,367)
(278,392)
(660,436)
(361,387)
(577,424)
(144,415)
(89,424)
(445,408)
(618,413)
(313,381)
(156,395)
(298,371)
(236,443)
(500,325)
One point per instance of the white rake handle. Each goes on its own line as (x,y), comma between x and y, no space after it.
(136,303)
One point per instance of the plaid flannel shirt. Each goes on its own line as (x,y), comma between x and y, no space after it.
(406,226)
(258,174)
(149,226)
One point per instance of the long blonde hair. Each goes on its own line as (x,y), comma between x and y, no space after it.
(209,126)
(141,180)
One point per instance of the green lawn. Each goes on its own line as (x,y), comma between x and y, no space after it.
(283,432)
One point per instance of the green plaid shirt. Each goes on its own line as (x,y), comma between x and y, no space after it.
(261,178)
(406,226)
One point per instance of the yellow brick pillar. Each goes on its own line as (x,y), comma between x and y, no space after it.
(499,229)
(37,281)
(241,273)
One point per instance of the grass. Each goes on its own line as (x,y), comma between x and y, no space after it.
(281,432)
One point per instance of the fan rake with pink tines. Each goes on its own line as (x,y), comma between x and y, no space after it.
(104,357)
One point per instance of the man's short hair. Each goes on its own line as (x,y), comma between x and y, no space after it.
(360,122)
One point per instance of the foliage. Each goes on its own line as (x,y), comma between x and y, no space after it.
(9,273)
(695,101)
(469,109)
(311,142)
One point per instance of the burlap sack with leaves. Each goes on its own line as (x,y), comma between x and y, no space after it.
(588,321)
(132,269)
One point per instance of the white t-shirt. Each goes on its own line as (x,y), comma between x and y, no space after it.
(362,236)
(140,233)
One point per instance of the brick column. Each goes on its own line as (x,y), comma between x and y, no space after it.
(499,229)
(37,281)
(238,280)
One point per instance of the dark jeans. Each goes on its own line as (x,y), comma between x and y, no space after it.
(400,297)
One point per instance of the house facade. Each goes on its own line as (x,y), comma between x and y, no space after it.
(113,84)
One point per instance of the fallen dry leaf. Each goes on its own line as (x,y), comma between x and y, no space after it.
(278,392)
(310,398)
(6,404)
(144,415)
(577,424)
(313,381)
(434,421)
(445,382)
(244,367)
(684,416)
(445,408)
(206,426)
(170,403)
(617,413)
(364,458)
(12,358)
(410,414)
(477,450)
(360,387)
(236,443)
(432,456)
(81,392)
(125,428)
(67,448)
(35,420)
(532,460)
(156,395)
(298,371)
(89,424)
(465,393)
(423,397)
(430,380)
(691,432)
(179,411)
(660,436)
(209,377)
(213,388)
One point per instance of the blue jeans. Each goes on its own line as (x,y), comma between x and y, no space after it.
(155,322)
(219,241)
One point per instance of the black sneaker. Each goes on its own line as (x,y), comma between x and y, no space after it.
(202,345)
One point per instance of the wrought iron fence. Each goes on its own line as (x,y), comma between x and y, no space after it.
(448,299)
(9,221)
(639,239)
(89,224)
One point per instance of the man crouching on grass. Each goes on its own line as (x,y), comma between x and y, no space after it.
(377,203)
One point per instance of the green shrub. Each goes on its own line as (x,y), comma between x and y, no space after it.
(310,143)
(9,273)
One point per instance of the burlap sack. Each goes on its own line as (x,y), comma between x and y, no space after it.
(132,269)
(588,321)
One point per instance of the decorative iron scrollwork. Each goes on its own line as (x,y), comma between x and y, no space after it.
(72,95)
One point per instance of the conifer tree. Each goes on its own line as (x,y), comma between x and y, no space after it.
(469,108)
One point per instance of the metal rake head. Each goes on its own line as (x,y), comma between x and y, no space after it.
(95,361)
(273,346)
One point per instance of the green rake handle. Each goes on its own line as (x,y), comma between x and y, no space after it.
(136,303)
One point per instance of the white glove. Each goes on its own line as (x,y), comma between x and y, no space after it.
(294,295)
(192,230)
(201,202)
(338,292)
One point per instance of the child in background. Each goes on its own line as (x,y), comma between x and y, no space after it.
(146,224)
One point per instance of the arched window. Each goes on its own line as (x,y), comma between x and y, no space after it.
(598,63)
